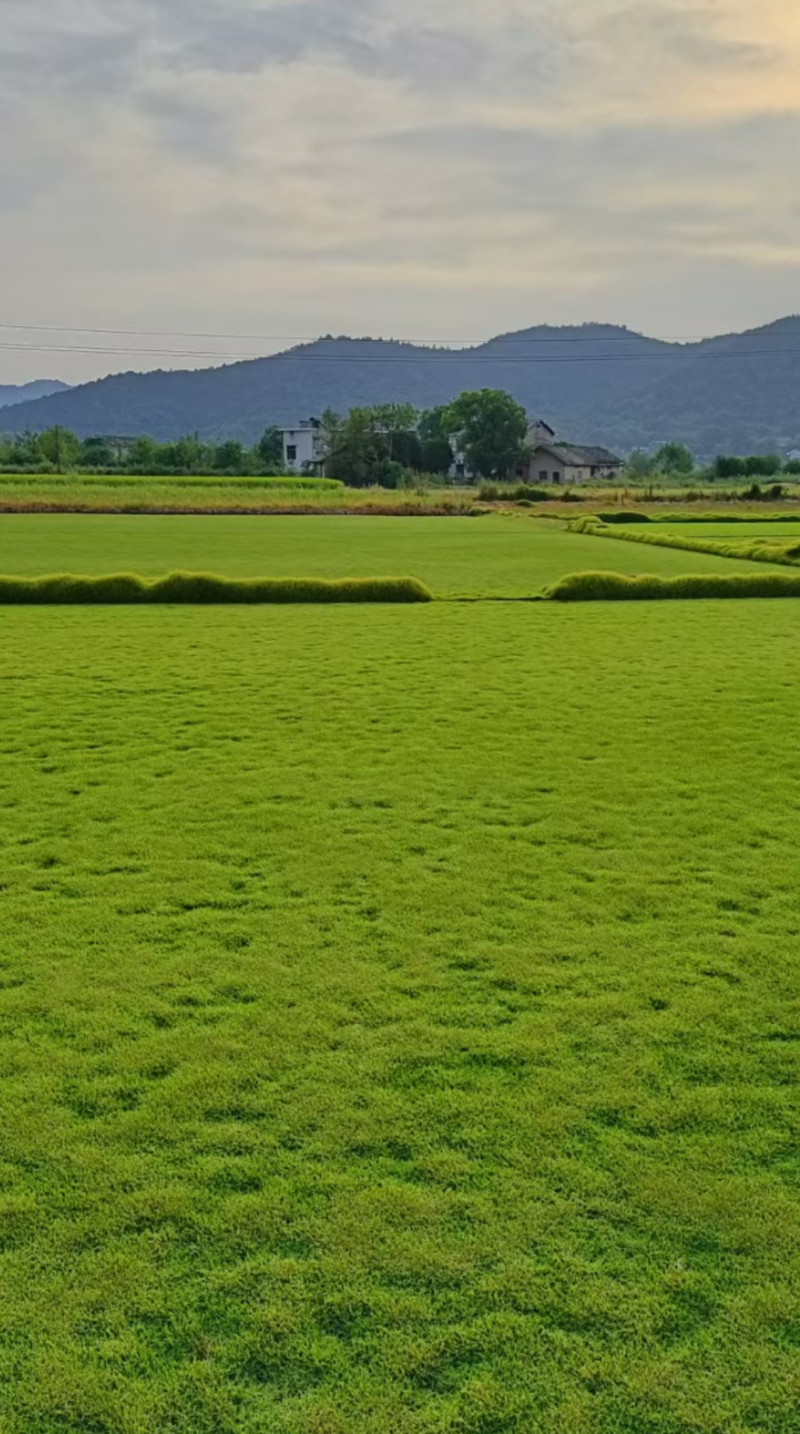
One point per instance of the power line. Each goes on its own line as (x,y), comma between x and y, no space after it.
(439,357)
(322,338)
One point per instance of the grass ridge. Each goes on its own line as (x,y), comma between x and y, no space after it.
(760,551)
(616,587)
(181,587)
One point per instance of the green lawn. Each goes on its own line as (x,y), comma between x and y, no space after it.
(399,1018)
(454,556)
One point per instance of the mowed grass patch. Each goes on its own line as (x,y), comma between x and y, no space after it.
(399,1020)
(491,556)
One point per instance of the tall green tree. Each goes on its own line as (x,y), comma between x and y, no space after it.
(269,448)
(763,465)
(60,447)
(674,458)
(729,466)
(96,453)
(492,429)
(144,455)
(394,421)
(640,464)
(230,457)
(371,445)
(436,454)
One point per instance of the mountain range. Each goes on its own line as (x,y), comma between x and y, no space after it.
(594,383)
(11,393)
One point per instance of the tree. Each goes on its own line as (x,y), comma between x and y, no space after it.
(371,445)
(96,453)
(674,458)
(432,426)
(59,447)
(640,464)
(354,449)
(394,420)
(763,465)
(437,451)
(269,448)
(144,455)
(230,457)
(729,466)
(436,456)
(492,428)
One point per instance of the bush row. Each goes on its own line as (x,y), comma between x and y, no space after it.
(524,493)
(758,551)
(206,588)
(633,515)
(615,587)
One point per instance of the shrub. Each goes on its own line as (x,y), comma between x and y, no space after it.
(623,517)
(615,587)
(522,493)
(206,588)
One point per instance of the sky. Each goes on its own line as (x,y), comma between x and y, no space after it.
(432,169)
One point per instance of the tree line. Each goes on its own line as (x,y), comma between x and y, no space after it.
(387,445)
(675,459)
(60,451)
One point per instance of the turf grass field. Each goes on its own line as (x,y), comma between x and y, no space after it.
(399,1020)
(489,556)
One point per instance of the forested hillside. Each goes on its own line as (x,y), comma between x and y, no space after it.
(595,383)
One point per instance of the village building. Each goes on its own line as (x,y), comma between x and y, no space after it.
(548,461)
(303,450)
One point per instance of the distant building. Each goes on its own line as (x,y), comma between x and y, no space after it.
(303,450)
(549,461)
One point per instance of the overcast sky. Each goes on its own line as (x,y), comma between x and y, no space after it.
(437,169)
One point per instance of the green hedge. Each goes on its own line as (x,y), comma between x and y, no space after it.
(759,550)
(206,588)
(615,587)
(622,515)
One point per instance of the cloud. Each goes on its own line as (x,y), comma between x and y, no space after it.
(345,157)
(688,36)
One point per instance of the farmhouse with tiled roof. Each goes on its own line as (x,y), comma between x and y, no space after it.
(548,461)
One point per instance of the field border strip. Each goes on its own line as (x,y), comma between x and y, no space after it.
(755,553)
(66,589)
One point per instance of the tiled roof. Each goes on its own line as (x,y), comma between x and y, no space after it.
(578,457)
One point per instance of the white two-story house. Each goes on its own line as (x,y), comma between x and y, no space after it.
(303,448)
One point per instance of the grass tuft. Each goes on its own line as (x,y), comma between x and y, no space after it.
(127,588)
(616,587)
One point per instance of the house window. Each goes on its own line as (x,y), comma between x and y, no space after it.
(556,477)
(520,472)
(543,475)
(291,452)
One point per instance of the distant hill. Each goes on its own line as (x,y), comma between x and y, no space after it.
(596,383)
(11,393)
